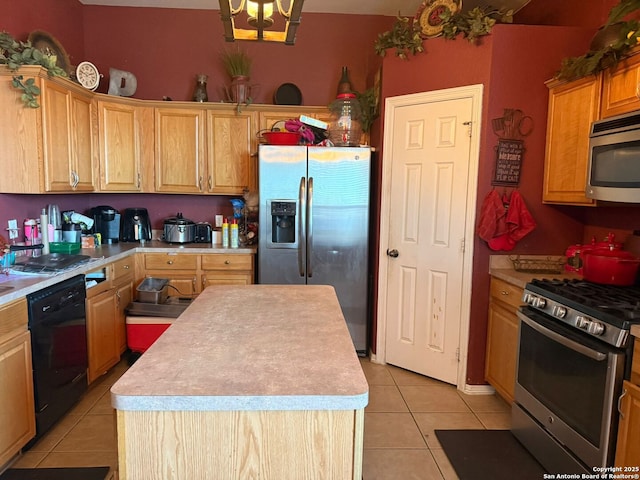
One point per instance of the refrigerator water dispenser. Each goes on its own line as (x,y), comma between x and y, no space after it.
(283,221)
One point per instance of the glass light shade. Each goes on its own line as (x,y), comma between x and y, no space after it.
(253,9)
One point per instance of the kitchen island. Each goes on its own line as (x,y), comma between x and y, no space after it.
(250,382)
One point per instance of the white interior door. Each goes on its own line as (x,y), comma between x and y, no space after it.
(429,151)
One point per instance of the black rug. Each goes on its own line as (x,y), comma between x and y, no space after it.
(76,473)
(488,454)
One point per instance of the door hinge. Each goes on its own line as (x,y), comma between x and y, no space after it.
(462,245)
(469,124)
(458,354)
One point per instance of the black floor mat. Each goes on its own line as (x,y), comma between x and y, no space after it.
(488,454)
(77,473)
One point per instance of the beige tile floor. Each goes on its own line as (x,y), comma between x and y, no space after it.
(399,441)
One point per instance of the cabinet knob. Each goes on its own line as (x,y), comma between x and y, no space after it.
(227,262)
(126,267)
(504,292)
(169,262)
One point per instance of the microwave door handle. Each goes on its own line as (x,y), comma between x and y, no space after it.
(302,240)
(598,356)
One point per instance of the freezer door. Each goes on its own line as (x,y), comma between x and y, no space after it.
(282,172)
(338,233)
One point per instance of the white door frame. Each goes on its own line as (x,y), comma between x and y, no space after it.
(474,92)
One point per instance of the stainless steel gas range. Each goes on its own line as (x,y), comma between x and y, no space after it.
(574,351)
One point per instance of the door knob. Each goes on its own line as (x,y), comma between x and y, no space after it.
(392,253)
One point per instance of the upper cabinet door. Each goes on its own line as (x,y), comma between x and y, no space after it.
(68,139)
(119,136)
(231,165)
(572,108)
(84,153)
(180,150)
(621,88)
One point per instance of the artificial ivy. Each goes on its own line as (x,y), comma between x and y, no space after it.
(406,37)
(595,61)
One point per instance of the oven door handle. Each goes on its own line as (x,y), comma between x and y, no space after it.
(598,356)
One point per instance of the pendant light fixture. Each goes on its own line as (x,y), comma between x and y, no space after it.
(259,16)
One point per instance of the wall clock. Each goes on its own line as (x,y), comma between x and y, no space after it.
(88,75)
(428,15)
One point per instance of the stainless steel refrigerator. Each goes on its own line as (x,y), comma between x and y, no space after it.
(314,224)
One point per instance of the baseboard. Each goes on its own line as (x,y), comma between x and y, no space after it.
(478,389)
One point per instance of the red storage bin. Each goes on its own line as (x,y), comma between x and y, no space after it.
(143,331)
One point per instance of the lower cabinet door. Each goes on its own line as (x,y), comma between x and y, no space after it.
(628,447)
(102,334)
(124,296)
(17,411)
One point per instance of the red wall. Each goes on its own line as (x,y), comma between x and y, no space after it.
(61,18)
(513,68)
(175,45)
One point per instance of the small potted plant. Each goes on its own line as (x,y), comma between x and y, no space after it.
(237,64)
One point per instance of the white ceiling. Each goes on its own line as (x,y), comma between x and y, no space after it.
(368,7)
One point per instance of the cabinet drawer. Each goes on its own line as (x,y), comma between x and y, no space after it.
(123,267)
(13,316)
(227,262)
(506,292)
(170,261)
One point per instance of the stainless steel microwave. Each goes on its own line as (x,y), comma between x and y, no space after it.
(614,159)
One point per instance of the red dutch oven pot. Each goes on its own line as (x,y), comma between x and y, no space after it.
(610,266)
(575,253)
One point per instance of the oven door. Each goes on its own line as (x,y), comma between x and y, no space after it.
(568,383)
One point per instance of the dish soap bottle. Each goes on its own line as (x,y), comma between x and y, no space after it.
(234,234)
(225,233)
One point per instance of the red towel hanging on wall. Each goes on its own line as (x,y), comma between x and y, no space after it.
(504,222)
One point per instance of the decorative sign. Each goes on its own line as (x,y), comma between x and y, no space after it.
(508,162)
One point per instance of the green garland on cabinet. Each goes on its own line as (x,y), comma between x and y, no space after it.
(406,37)
(14,54)
(627,36)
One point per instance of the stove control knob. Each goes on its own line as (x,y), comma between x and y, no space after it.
(527,298)
(539,302)
(595,328)
(582,322)
(559,312)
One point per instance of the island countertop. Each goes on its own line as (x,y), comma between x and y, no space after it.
(254,347)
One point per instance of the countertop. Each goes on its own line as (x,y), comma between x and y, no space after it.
(254,347)
(501,266)
(24,284)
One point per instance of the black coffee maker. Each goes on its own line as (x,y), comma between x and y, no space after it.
(107,223)
(136,226)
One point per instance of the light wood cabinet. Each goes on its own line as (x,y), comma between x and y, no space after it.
(621,87)
(502,337)
(572,108)
(106,317)
(231,137)
(53,144)
(102,334)
(69,156)
(125,137)
(17,411)
(123,274)
(628,447)
(180,150)
(180,269)
(189,274)
(223,269)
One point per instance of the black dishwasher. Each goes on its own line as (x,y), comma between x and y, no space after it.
(57,323)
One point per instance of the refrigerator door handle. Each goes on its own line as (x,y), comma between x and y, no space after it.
(309,228)
(302,241)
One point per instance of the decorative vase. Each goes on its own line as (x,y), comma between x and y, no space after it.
(240,89)
(344,85)
(200,92)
